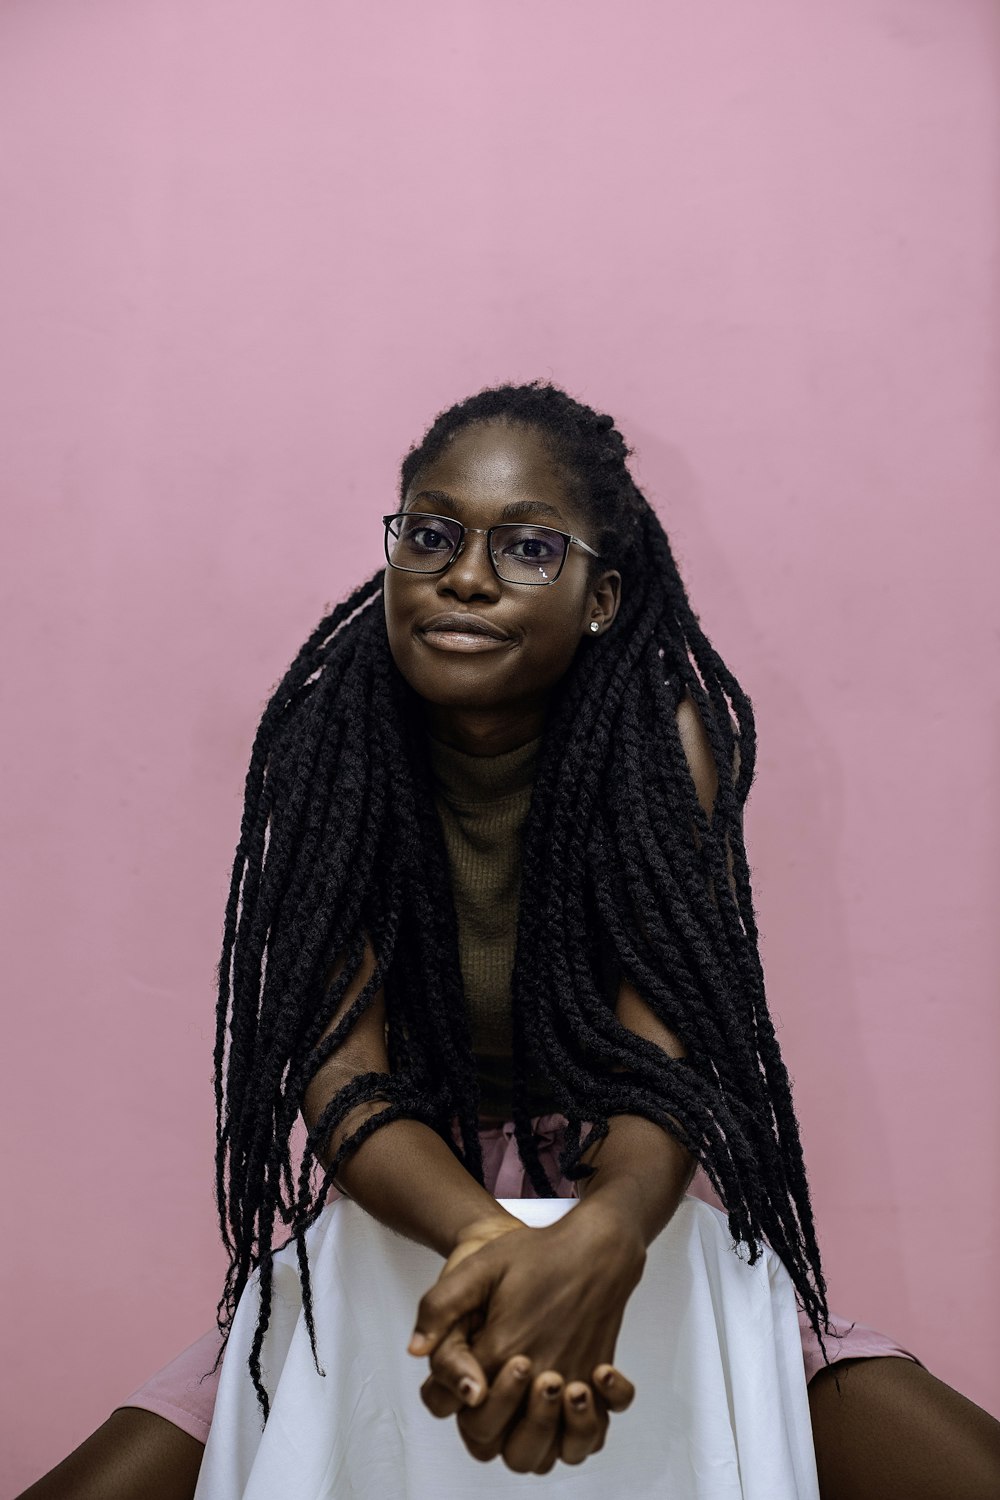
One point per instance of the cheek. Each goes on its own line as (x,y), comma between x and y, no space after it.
(550,652)
(559,625)
(415,665)
(394,604)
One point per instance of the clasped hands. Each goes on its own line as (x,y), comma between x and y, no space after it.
(520,1330)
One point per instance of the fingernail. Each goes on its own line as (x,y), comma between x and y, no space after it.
(578,1401)
(608,1378)
(467,1388)
(521,1370)
(551,1391)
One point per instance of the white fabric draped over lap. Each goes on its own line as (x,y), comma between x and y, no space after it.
(711,1342)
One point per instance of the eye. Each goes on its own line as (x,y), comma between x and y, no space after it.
(429,538)
(421,535)
(530,544)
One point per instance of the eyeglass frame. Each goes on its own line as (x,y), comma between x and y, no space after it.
(487,532)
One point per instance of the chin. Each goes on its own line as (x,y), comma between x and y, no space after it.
(453,680)
(457,694)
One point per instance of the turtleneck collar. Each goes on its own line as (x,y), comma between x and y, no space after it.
(464,779)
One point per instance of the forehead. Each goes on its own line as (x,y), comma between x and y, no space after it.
(491,467)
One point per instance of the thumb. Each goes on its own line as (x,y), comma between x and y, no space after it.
(455,1295)
(457,1378)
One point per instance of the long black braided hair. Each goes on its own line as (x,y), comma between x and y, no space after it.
(623,873)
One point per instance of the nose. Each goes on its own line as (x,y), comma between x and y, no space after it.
(470,573)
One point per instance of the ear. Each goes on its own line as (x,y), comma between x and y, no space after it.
(604,598)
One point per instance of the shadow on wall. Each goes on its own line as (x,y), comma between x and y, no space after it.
(794,841)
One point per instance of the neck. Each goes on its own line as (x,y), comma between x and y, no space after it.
(484,731)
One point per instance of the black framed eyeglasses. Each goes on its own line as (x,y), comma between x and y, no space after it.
(416,542)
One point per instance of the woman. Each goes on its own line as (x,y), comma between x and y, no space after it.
(618,1017)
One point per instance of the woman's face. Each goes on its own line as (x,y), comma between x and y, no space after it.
(489,694)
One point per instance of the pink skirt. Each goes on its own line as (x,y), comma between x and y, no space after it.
(184,1391)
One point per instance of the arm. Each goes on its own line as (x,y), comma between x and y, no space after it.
(409,1179)
(554,1298)
(597,1254)
(404,1174)
(644,1173)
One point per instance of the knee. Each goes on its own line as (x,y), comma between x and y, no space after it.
(894,1431)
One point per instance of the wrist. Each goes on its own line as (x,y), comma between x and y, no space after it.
(609,1216)
(642,1175)
(606,1226)
(486,1226)
(607,1249)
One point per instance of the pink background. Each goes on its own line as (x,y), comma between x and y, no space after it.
(249,250)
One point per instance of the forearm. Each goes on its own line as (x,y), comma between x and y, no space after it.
(404,1174)
(643,1172)
(409,1179)
(642,1175)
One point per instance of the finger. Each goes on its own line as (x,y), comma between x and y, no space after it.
(583,1425)
(455,1294)
(486,1425)
(454,1366)
(439,1401)
(533,1444)
(615,1391)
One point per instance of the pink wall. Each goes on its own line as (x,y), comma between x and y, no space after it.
(249,250)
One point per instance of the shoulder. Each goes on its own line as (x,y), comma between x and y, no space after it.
(698,751)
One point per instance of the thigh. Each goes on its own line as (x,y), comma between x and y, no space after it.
(896,1432)
(135,1455)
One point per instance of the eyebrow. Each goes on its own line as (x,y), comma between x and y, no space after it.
(512,511)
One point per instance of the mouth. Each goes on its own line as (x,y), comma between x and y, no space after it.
(462,631)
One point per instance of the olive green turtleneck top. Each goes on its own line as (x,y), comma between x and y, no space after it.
(482,801)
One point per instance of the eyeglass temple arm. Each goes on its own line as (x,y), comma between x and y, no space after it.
(582,544)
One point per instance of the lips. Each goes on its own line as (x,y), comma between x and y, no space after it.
(463,623)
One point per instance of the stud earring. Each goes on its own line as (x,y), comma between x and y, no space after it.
(595,627)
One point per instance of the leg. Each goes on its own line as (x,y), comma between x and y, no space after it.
(896,1432)
(136,1455)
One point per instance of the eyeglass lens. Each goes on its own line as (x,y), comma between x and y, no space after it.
(521,554)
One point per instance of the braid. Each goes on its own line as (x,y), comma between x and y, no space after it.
(622,872)
(609,863)
(338,842)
